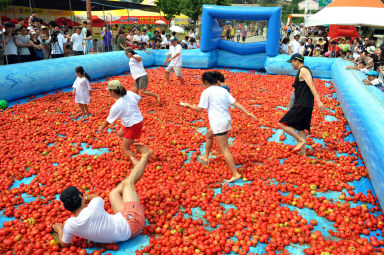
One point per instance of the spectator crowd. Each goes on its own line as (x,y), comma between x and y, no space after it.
(21,43)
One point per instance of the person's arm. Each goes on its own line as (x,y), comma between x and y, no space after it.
(353,67)
(238,105)
(102,34)
(367,82)
(306,75)
(104,126)
(370,65)
(59,228)
(137,57)
(172,58)
(166,61)
(193,107)
(89,197)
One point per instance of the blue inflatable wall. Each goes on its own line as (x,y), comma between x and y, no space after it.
(365,119)
(365,115)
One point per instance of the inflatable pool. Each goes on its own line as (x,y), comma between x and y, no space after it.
(336,211)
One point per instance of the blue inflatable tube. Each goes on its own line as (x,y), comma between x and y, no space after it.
(194,58)
(33,78)
(320,67)
(253,61)
(365,115)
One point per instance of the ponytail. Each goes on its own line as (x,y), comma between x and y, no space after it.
(123,91)
(80,70)
(86,75)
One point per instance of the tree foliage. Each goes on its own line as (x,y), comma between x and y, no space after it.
(193,8)
(4,4)
(170,8)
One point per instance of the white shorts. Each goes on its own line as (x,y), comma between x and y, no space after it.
(221,127)
(176,69)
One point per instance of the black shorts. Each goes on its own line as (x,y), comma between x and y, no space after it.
(298,117)
(220,134)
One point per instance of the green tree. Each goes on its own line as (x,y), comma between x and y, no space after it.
(170,8)
(193,8)
(4,4)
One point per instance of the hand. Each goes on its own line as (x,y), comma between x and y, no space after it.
(321,107)
(165,63)
(58,227)
(251,115)
(100,129)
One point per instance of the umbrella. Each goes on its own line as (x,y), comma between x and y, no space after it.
(5,19)
(160,22)
(177,29)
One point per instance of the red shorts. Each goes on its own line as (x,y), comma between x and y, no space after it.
(134,213)
(133,132)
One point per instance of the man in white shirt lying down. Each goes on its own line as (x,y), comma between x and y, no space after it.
(93,223)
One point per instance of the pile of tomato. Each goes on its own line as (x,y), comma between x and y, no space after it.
(42,138)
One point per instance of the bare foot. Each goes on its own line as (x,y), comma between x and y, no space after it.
(143,150)
(303,154)
(158,100)
(204,159)
(300,145)
(234,178)
(134,160)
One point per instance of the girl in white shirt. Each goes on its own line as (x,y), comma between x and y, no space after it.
(216,100)
(139,74)
(126,109)
(82,90)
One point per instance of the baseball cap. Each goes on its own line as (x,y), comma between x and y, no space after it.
(372,73)
(371,49)
(174,39)
(115,84)
(296,56)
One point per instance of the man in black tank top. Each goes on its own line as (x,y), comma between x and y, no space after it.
(300,115)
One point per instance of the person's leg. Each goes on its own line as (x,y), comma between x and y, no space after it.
(82,109)
(151,94)
(302,134)
(125,191)
(129,192)
(208,146)
(125,147)
(167,77)
(86,109)
(291,131)
(222,142)
(177,70)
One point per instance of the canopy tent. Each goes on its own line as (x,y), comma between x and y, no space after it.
(349,12)
(79,5)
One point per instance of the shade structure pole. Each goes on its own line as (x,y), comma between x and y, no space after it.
(89,14)
(2,34)
(70,10)
(30,6)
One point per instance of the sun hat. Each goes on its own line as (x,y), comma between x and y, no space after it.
(113,85)
(130,50)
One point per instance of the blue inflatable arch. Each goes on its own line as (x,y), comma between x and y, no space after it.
(212,30)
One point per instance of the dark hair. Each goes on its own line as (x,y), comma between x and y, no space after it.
(349,51)
(218,76)
(8,24)
(285,40)
(23,27)
(35,20)
(173,33)
(80,70)
(208,77)
(121,91)
(53,24)
(71,198)
(20,19)
(85,23)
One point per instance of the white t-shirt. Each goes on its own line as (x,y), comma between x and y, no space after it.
(217,100)
(192,35)
(364,70)
(58,46)
(95,224)
(173,51)
(137,68)
(10,47)
(284,49)
(126,109)
(77,40)
(377,82)
(137,38)
(82,87)
(145,38)
(295,46)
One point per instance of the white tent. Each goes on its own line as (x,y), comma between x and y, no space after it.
(349,12)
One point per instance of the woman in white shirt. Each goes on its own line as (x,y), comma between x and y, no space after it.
(126,109)
(216,100)
(139,74)
(284,48)
(82,90)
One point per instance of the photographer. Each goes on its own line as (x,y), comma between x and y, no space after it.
(57,43)
(9,44)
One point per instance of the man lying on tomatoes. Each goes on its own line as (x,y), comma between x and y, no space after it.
(93,223)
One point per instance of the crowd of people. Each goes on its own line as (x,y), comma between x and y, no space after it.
(35,41)
(361,52)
